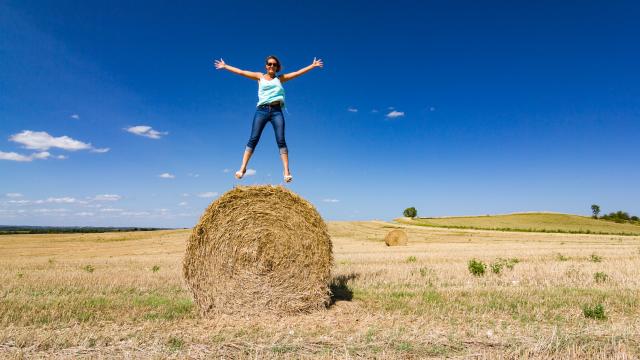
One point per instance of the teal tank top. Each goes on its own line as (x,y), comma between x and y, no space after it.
(270,91)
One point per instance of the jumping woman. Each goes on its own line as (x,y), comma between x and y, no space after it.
(270,104)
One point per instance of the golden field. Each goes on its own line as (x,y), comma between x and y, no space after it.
(122,295)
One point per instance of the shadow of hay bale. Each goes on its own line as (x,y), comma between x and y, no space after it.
(340,291)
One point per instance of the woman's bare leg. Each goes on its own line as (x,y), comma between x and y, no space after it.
(285,166)
(245,162)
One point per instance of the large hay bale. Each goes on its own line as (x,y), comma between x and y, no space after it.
(259,249)
(396,237)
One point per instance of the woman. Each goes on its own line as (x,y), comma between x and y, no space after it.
(270,104)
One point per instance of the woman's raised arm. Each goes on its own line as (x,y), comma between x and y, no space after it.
(220,64)
(295,74)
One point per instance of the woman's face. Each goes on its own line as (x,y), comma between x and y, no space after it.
(272,66)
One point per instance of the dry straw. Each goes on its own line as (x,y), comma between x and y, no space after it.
(396,237)
(259,249)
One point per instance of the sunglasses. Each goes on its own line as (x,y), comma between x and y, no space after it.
(272,64)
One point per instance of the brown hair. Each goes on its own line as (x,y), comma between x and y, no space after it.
(274,58)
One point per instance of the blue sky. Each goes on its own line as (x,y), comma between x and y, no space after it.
(113,114)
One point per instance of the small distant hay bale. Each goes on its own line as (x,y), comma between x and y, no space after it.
(259,249)
(396,237)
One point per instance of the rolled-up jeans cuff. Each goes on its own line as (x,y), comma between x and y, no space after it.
(284,150)
(248,149)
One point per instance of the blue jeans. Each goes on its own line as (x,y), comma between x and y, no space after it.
(265,114)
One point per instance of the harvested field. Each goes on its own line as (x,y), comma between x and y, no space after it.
(122,294)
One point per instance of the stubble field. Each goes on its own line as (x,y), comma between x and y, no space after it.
(121,294)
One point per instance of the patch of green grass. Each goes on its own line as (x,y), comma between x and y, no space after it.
(175,343)
(155,268)
(595,258)
(600,277)
(89,268)
(283,348)
(561,257)
(411,259)
(477,267)
(404,346)
(594,312)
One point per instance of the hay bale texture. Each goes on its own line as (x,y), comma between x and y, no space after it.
(396,237)
(259,249)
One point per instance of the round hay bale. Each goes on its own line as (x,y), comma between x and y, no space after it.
(396,237)
(259,249)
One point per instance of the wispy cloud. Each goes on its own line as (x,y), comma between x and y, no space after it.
(107,197)
(250,172)
(63,200)
(375,111)
(193,175)
(226,170)
(167,176)
(75,116)
(184,203)
(84,213)
(41,140)
(13,156)
(395,114)
(111,210)
(331,200)
(146,131)
(13,195)
(352,109)
(208,195)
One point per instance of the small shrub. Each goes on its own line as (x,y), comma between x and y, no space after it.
(594,312)
(155,268)
(511,263)
(175,343)
(19,275)
(496,267)
(410,212)
(600,277)
(88,268)
(561,257)
(412,259)
(595,258)
(477,267)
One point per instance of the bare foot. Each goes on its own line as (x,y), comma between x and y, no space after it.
(240,173)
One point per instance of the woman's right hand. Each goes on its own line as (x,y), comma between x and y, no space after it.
(220,64)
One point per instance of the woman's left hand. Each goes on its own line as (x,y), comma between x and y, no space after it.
(317,62)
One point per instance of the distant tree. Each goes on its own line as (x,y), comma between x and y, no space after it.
(635,218)
(410,212)
(596,210)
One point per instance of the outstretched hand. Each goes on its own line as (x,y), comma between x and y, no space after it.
(317,62)
(220,64)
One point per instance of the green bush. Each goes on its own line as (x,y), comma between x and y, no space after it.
(410,212)
(600,277)
(496,267)
(594,312)
(89,268)
(595,258)
(412,259)
(477,267)
(155,268)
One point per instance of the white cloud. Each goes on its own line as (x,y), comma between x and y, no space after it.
(111,210)
(101,150)
(394,114)
(352,109)
(40,140)
(226,170)
(193,175)
(61,157)
(135,213)
(107,197)
(63,200)
(19,202)
(250,172)
(331,200)
(184,203)
(75,116)
(50,211)
(390,108)
(84,213)
(375,111)
(13,195)
(146,131)
(209,194)
(167,176)
(12,156)
(186,195)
